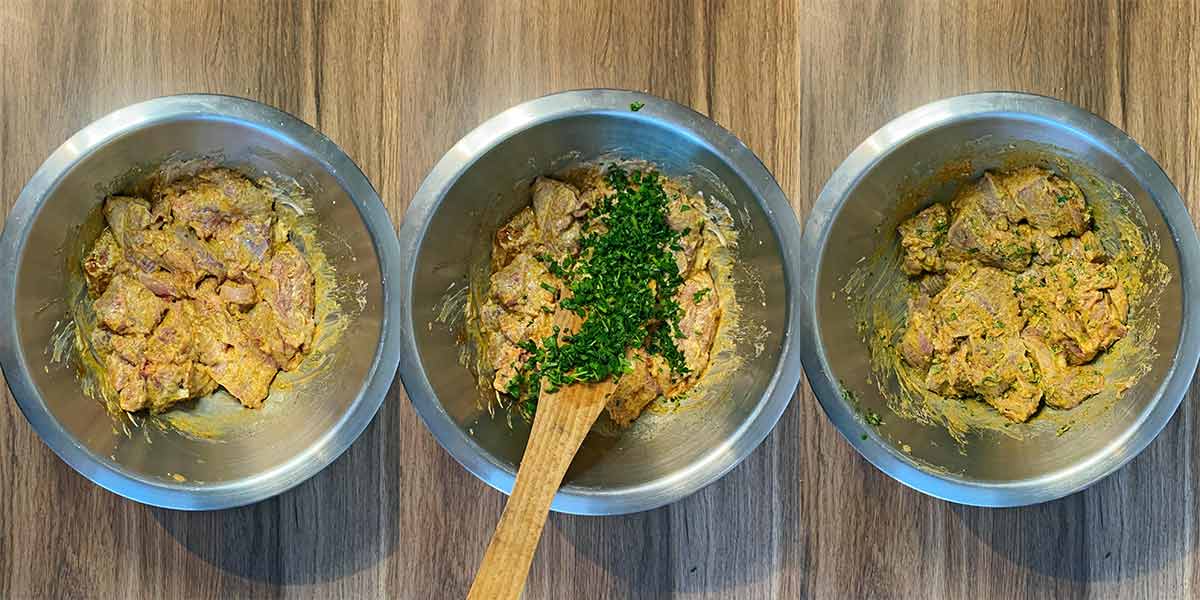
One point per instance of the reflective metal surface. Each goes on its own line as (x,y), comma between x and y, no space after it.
(483,180)
(277,449)
(994,470)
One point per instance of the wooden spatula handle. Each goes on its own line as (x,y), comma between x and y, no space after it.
(558,431)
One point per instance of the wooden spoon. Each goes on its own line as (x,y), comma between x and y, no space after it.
(562,420)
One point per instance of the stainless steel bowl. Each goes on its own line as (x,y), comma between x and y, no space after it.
(483,180)
(861,195)
(160,465)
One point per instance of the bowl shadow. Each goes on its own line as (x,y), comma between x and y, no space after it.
(692,546)
(1130,523)
(319,531)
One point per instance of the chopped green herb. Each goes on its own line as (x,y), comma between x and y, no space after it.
(636,106)
(698,296)
(873,418)
(623,285)
(864,436)
(684,208)
(1062,198)
(549,288)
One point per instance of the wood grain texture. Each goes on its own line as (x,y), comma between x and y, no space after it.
(395,84)
(564,418)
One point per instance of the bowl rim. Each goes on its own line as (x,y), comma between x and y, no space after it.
(687,122)
(105,472)
(1154,180)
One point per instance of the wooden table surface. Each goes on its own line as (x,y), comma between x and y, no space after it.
(802,83)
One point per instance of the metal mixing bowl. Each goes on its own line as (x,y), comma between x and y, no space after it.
(484,179)
(262,453)
(861,196)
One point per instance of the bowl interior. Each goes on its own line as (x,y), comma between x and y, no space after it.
(866,224)
(494,188)
(221,444)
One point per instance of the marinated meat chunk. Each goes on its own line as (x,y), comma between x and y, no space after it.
(920,334)
(1048,202)
(227,354)
(931,284)
(516,235)
(126,306)
(978,301)
(164,283)
(504,330)
(701,310)
(176,251)
(647,380)
(131,348)
(686,215)
(286,286)
(201,289)
(554,205)
(167,384)
(921,238)
(516,317)
(240,246)
(1073,304)
(127,382)
(980,231)
(525,285)
(1064,386)
(172,338)
(1001,374)
(213,199)
(1027,299)
(1085,248)
(102,263)
(246,198)
(126,215)
(238,293)
(245,372)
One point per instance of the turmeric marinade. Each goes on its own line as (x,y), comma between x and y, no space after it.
(628,251)
(197,285)
(1014,296)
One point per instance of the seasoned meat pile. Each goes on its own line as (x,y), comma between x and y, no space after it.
(525,292)
(195,287)
(1014,298)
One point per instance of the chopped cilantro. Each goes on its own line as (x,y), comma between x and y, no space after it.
(623,283)
(636,106)
(699,295)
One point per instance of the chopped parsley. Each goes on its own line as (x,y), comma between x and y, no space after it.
(698,296)
(1062,198)
(873,418)
(636,106)
(623,285)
